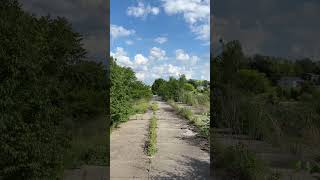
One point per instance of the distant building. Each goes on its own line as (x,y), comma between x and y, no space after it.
(290,81)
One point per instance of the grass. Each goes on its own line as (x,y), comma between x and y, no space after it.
(154,106)
(196,99)
(140,106)
(186,113)
(152,144)
(202,122)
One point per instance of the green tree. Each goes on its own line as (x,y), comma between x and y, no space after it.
(45,84)
(252,81)
(156,85)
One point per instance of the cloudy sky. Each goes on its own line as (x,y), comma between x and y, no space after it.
(287,28)
(161,38)
(88,17)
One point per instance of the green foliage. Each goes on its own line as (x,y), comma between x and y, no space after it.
(251,102)
(188,87)
(46,87)
(200,121)
(186,113)
(158,83)
(140,106)
(154,106)
(124,91)
(183,90)
(152,142)
(252,81)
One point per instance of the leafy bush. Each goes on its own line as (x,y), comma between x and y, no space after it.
(252,81)
(140,106)
(188,87)
(125,89)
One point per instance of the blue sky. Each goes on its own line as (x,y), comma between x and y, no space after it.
(161,38)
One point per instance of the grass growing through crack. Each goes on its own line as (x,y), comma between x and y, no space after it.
(152,144)
(154,107)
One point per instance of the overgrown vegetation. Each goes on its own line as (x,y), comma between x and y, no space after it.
(154,106)
(268,98)
(48,90)
(127,95)
(251,87)
(140,106)
(152,141)
(202,122)
(191,92)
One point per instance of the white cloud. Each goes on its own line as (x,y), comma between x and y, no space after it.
(129,42)
(167,70)
(194,60)
(140,59)
(142,11)
(181,55)
(141,76)
(161,40)
(122,57)
(119,31)
(185,57)
(202,31)
(157,54)
(195,12)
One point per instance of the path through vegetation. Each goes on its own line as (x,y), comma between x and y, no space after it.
(179,155)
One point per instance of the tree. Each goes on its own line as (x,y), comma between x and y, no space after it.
(188,87)
(305,66)
(156,85)
(252,81)
(232,57)
(44,84)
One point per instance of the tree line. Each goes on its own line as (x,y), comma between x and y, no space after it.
(248,86)
(193,92)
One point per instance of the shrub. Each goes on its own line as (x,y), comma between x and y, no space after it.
(252,81)
(140,106)
(124,90)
